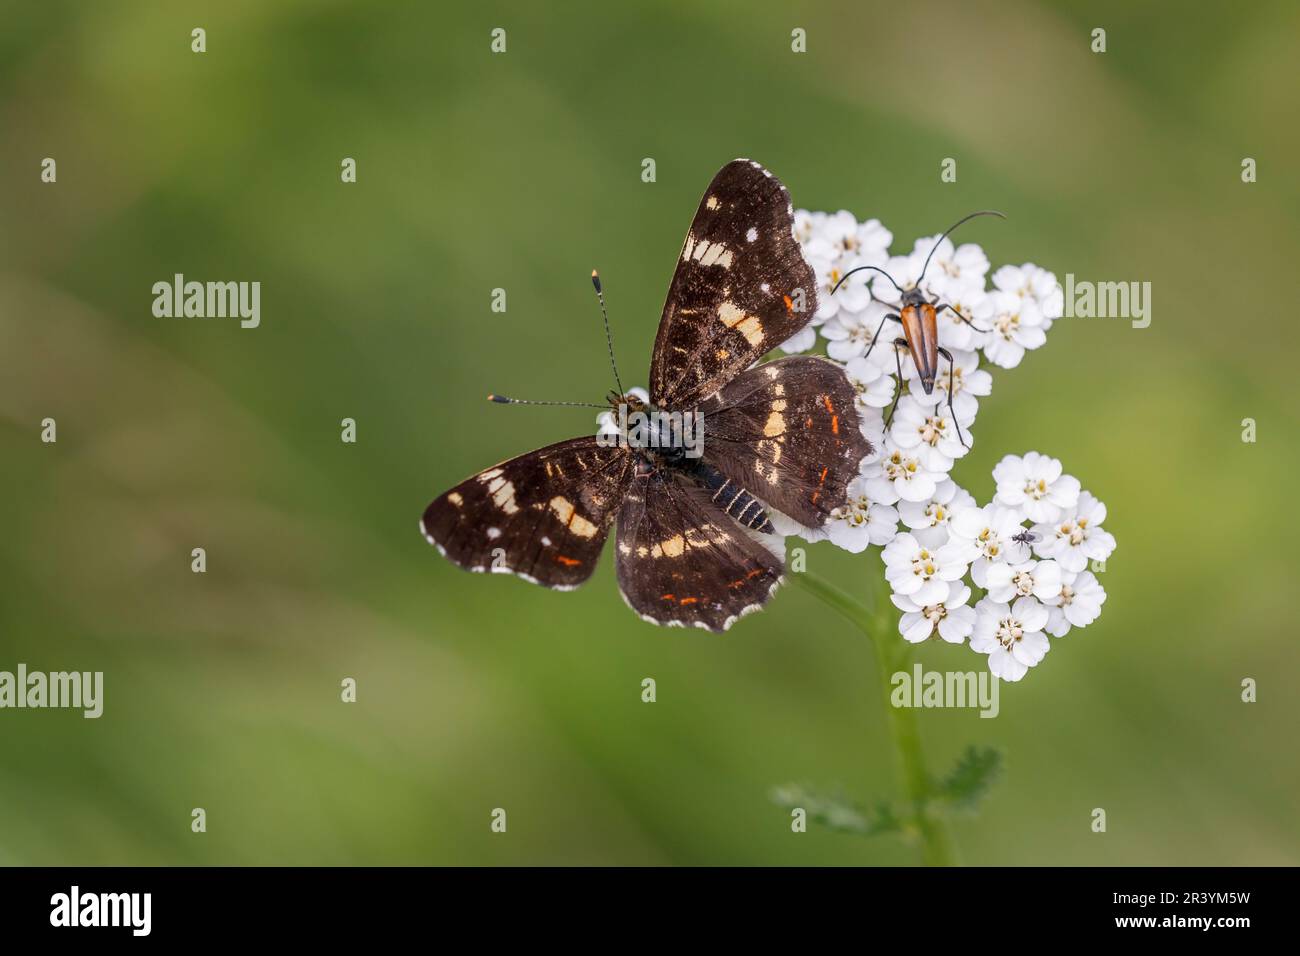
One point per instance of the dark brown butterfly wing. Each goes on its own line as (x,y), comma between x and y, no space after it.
(682,562)
(543,516)
(788,432)
(741,288)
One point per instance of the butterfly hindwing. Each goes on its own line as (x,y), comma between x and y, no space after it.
(788,432)
(543,516)
(681,561)
(740,289)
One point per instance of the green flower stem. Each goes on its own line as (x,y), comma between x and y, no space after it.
(892,653)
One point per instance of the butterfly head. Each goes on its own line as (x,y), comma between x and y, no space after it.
(633,402)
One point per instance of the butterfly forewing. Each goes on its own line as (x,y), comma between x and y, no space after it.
(543,516)
(788,432)
(740,289)
(681,561)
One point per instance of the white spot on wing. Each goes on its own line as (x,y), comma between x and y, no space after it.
(503,496)
(564,510)
(733,317)
(775,424)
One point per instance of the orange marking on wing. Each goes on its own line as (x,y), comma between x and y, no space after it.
(830,409)
(566,561)
(688,601)
(665,597)
(755,573)
(789,303)
(835,424)
(820,481)
(808,423)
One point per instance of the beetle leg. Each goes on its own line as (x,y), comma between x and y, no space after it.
(877,335)
(939,308)
(952,382)
(898,362)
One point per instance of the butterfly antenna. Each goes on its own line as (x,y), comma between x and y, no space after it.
(982,212)
(609,339)
(846,275)
(504,400)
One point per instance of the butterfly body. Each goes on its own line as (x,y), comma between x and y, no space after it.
(695,543)
(733,500)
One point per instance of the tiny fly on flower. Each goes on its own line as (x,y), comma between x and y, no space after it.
(919,318)
(1026,538)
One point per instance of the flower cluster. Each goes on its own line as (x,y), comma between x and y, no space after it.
(1029,549)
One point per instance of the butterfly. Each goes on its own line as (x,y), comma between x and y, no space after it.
(695,543)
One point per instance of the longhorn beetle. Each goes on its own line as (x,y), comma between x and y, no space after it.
(919,319)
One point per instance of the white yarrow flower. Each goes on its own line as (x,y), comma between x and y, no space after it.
(1031,282)
(968,298)
(1076,537)
(807,225)
(1040,579)
(849,334)
(1035,487)
(875,389)
(1012,636)
(900,476)
(928,432)
(950,618)
(1035,588)
(1017,327)
(801,341)
(928,520)
(861,522)
(832,296)
(1077,604)
(915,571)
(950,263)
(985,534)
(968,383)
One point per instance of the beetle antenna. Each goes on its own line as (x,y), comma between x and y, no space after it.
(982,212)
(609,339)
(844,277)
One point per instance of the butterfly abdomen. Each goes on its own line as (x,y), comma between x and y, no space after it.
(732,499)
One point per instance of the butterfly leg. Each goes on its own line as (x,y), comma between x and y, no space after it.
(898,362)
(952,381)
(943,305)
(877,335)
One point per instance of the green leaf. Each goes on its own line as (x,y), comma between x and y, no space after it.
(838,813)
(976,771)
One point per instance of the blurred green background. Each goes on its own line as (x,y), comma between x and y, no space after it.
(522,171)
